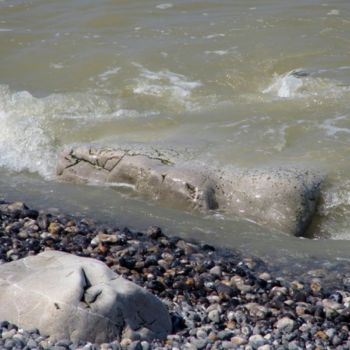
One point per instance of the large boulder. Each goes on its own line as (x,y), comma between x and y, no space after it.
(70,297)
(281,199)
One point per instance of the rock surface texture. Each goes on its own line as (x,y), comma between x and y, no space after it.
(80,299)
(281,199)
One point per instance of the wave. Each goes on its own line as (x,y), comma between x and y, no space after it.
(172,89)
(25,142)
(300,83)
(32,130)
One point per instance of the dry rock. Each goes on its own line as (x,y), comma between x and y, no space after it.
(81,299)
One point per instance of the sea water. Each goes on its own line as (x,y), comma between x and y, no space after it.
(230,83)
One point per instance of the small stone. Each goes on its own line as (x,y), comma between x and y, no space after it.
(201,333)
(225,335)
(64,342)
(105,238)
(265,276)
(214,316)
(315,286)
(293,345)
(322,335)
(125,342)
(200,343)
(256,341)
(227,345)
(145,345)
(44,344)
(135,345)
(330,332)
(256,310)
(336,340)
(237,340)
(264,347)
(23,235)
(216,271)
(17,206)
(8,334)
(154,232)
(285,324)
(32,344)
(55,228)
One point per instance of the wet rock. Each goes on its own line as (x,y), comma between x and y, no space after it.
(284,199)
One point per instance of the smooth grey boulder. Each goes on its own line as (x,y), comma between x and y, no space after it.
(70,297)
(281,199)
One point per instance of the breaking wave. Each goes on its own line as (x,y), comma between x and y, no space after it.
(25,142)
(299,83)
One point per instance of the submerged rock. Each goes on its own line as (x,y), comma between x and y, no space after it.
(281,199)
(80,299)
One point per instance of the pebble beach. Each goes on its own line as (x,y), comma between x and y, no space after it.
(217,299)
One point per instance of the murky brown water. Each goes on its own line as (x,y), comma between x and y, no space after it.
(243,83)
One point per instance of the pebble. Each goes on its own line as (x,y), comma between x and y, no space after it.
(214,316)
(256,341)
(264,347)
(285,324)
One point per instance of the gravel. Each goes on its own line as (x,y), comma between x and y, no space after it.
(217,299)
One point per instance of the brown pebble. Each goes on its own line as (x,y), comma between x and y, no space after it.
(315,286)
(322,335)
(102,249)
(230,325)
(55,228)
(105,238)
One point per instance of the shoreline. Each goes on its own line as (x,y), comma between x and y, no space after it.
(217,299)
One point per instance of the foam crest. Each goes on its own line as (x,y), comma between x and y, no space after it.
(169,86)
(299,84)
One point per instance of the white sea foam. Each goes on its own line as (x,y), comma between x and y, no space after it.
(217,52)
(56,65)
(24,141)
(109,72)
(333,12)
(31,129)
(285,86)
(299,84)
(164,6)
(213,36)
(331,127)
(231,50)
(166,85)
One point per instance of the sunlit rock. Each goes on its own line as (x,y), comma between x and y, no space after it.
(70,297)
